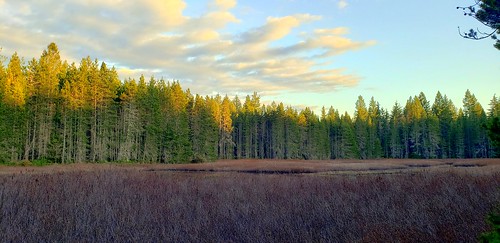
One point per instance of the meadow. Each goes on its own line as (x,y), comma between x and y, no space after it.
(251,201)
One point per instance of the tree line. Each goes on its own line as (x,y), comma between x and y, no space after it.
(59,112)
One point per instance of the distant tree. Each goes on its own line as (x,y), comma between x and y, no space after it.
(14,93)
(493,125)
(445,111)
(43,89)
(475,139)
(128,121)
(494,134)
(54,111)
(292,134)
(374,129)
(487,12)
(348,145)
(361,128)
(203,131)
(396,124)
(226,144)
(415,116)
(14,86)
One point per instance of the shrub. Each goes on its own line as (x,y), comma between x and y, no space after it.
(494,221)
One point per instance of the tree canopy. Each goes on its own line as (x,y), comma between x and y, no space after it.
(54,111)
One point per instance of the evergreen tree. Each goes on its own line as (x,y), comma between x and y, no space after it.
(475,140)
(129,130)
(14,87)
(236,117)
(494,126)
(204,131)
(374,130)
(444,110)
(226,144)
(292,134)
(397,132)
(348,145)
(55,111)
(361,128)
(415,116)
(458,135)
(177,135)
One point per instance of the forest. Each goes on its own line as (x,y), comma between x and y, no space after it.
(58,112)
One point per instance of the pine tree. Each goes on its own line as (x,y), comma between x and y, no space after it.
(14,96)
(444,110)
(204,131)
(46,100)
(250,115)
(458,135)
(361,128)
(150,114)
(333,121)
(374,130)
(474,119)
(14,88)
(179,147)
(494,126)
(397,139)
(385,133)
(278,131)
(226,144)
(292,134)
(237,119)
(415,116)
(129,130)
(54,111)
(348,144)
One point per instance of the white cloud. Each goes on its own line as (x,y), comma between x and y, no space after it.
(157,38)
(169,12)
(342,4)
(226,4)
(276,28)
(334,31)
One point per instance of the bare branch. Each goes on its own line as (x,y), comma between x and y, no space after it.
(485,13)
(472,35)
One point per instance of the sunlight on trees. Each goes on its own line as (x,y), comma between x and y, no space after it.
(59,112)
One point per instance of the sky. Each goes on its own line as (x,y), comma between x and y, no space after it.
(310,53)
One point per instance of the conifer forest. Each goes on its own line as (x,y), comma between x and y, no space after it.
(65,113)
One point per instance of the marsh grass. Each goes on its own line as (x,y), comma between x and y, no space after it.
(119,204)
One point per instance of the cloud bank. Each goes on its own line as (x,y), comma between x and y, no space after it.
(157,38)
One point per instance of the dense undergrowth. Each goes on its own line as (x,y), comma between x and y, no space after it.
(131,205)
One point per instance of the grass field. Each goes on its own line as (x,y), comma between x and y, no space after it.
(251,201)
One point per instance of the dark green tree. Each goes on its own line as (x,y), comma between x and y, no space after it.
(361,128)
(475,137)
(204,131)
(348,144)
(444,110)
(396,124)
(374,130)
(494,125)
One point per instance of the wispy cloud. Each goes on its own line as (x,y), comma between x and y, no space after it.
(342,4)
(157,38)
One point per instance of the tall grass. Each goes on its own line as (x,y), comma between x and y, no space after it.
(131,205)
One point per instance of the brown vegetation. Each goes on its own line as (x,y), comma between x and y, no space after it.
(394,200)
(347,166)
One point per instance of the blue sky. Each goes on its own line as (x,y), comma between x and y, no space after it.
(305,53)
